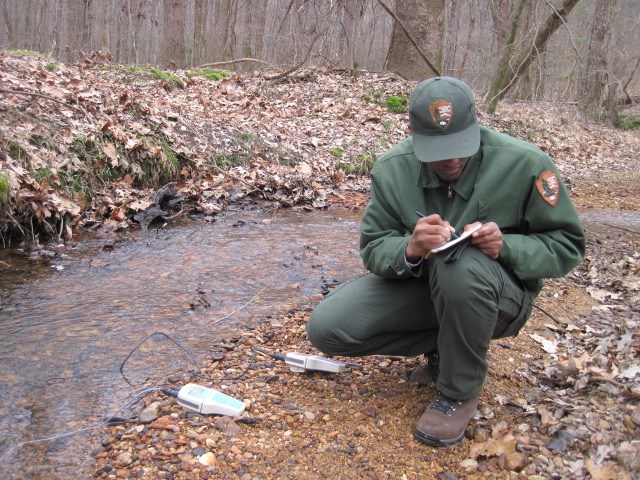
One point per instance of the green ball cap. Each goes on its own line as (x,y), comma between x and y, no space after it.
(443,120)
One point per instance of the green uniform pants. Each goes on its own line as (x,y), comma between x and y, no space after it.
(457,307)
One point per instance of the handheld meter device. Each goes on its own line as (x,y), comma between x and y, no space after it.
(301,362)
(208,401)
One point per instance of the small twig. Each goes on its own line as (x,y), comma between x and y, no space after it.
(17,224)
(35,94)
(231,62)
(575,48)
(621,228)
(548,314)
(607,380)
(4,264)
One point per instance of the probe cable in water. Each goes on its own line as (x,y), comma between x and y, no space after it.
(109,419)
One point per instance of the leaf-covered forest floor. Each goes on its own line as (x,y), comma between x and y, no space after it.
(111,149)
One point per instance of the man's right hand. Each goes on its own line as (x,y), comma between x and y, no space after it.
(430,232)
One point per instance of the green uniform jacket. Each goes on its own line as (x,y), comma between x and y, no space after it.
(499,184)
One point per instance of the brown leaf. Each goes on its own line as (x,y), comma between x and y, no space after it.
(605,472)
(493,447)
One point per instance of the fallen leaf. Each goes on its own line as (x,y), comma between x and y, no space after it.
(548,346)
(493,447)
(605,472)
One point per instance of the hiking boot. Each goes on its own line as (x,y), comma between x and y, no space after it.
(445,421)
(427,373)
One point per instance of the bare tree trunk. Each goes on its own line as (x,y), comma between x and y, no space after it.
(173,50)
(467,49)
(230,13)
(9,27)
(502,75)
(424,20)
(512,67)
(595,96)
(85,36)
(105,42)
(200,31)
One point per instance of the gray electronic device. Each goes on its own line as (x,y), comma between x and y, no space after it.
(208,401)
(301,362)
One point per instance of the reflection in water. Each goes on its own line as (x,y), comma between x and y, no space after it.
(64,334)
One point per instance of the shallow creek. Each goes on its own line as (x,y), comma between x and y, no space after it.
(66,328)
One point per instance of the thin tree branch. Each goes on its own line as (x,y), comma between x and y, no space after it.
(35,94)
(286,14)
(230,62)
(411,39)
(624,89)
(567,27)
(305,60)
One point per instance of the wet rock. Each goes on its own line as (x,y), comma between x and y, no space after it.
(108,440)
(105,469)
(124,459)
(149,414)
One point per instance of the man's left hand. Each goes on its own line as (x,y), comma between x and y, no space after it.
(488,239)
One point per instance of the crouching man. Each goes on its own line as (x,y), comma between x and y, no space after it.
(450,175)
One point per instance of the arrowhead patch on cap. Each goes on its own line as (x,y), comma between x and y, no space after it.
(441,113)
(549,187)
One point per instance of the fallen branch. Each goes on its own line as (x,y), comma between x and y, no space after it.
(231,62)
(628,230)
(36,94)
(411,39)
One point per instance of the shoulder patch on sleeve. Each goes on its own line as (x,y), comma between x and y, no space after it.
(548,186)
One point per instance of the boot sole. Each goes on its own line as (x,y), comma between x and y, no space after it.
(433,441)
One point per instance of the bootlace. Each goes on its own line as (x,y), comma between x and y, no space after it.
(445,404)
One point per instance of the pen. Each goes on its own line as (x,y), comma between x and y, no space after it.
(422,215)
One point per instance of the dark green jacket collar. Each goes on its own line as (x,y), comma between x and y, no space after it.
(463,186)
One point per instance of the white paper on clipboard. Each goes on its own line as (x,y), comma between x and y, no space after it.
(461,238)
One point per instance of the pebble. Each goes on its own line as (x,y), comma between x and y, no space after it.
(124,459)
(149,414)
(227,425)
(512,461)
(208,459)
(469,464)
(480,434)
